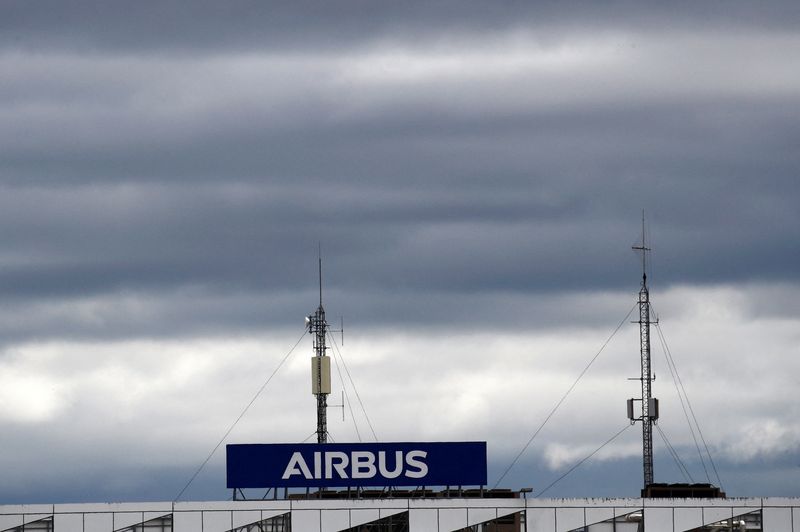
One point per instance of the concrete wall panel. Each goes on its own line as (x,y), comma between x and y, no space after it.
(741,510)
(99,522)
(777,519)
(476,516)
(715,514)
(149,516)
(32,518)
(305,520)
(569,519)
(335,520)
(123,520)
(452,519)
(658,519)
(504,511)
(68,522)
(541,520)
(186,522)
(140,507)
(597,515)
(217,521)
(423,520)
(246,517)
(76,508)
(688,518)
(37,509)
(269,514)
(361,516)
(10,521)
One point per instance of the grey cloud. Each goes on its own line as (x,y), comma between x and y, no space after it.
(90,240)
(245,24)
(166,180)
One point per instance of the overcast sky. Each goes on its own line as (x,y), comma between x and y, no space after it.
(475,173)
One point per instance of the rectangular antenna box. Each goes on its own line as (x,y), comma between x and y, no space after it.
(320,374)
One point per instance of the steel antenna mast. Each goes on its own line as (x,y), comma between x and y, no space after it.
(649,403)
(320,364)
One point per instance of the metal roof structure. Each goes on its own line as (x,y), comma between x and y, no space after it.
(412,515)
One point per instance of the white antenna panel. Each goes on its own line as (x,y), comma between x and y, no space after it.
(320,375)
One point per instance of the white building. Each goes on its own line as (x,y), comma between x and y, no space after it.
(412,515)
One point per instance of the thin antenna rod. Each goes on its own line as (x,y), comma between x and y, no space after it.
(320,362)
(649,404)
(645,249)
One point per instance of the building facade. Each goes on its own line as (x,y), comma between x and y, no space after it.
(412,515)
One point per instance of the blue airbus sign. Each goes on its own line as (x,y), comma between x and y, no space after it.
(356,464)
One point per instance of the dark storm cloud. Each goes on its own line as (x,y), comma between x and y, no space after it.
(94,239)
